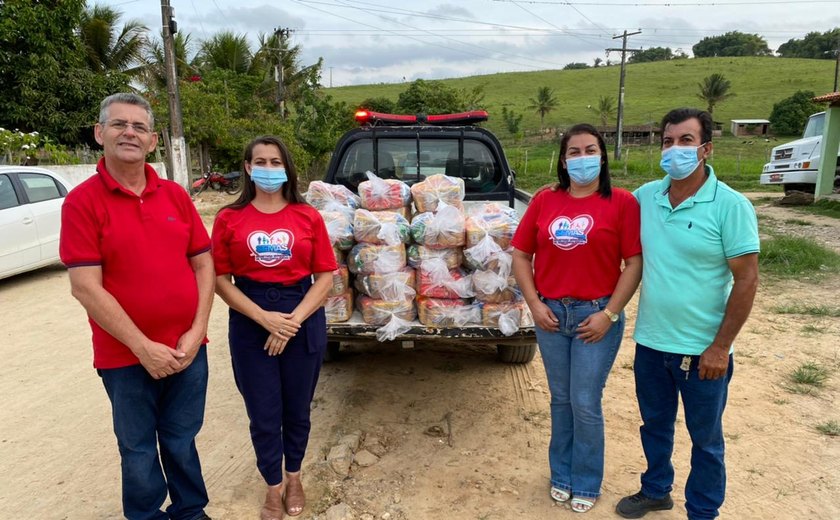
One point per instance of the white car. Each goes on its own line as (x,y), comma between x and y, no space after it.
(30,217)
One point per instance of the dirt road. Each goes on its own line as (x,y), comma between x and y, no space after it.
(460,436)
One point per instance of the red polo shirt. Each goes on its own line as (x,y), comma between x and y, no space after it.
(143,244)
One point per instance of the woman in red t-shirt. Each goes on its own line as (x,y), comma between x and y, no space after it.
(274,245)
(567,260)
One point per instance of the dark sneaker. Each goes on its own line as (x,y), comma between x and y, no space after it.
(638,505)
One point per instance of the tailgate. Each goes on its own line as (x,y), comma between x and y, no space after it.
(355,328)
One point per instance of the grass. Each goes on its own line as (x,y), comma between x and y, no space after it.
(824,207)
(813,329)
(808,310)
(809,374)
(797,222)
(830,428)
(794,256)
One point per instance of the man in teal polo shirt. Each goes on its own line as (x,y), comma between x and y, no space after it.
(700,244)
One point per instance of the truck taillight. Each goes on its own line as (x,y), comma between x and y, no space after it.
(368,117)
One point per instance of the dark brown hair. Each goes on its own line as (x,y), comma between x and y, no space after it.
(678,115)
(249,191)
(604,187)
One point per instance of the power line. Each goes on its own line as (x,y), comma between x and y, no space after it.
(673,4)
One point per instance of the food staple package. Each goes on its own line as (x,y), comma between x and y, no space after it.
(399,285)
(340,256)
(372,258)
(380,312)
(339,228)
(507,317)
(339,308)
(488,256)
(452,256)
(341,281)
(440,230)
(436,281)
(377,194)
(491,287)
(497,221)
(331,197)
(440,313)
(436,189)
(380,227)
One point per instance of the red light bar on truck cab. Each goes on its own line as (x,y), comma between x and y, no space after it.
(462,118)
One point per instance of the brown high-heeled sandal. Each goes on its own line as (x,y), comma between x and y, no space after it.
(273,508)
(294,498)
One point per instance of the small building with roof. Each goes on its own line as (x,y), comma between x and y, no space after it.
(751,127)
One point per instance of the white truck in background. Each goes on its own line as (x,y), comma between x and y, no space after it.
(794,165)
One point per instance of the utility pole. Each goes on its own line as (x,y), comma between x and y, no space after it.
(835,88)
(836,68)
(279,73)
(177,167)
(620,125)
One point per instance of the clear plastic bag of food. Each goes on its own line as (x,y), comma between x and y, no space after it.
(378,194)
(372,258)
(435,189)
(491,219)
(444,229)
(331,197)
(492,287)
(442,313)
(486,255)
(435,280)
(451,256)
(507,317)
(339,228)
(378,312)
(339,308)
(341,281)
(380,227)
(382,285)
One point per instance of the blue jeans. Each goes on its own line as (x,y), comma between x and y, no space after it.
(577,373)
(659,382)
(168,411)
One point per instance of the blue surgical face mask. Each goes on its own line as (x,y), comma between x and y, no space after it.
(583,170)
(268,180)
(680,161)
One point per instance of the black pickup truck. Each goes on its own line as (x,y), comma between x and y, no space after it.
(410,148)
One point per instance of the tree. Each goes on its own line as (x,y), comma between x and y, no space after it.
(378,104)
(714,89)
(598,62)
(652,54)
(108,48)
(733,43)
(429,97)
(225,50)
(605,109)
(814,45)
(544,103)
(153,74)
(513,121)
(790,114)
(576,66)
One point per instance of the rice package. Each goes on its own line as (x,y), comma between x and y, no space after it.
(435,189)
(398,285)
(372,258)
(436,281)
(339,228)
(494,220)
(507,317)
(380,227)
(339,308)
(378,194)
(341,281)
(491,287)
(439,313)
(488,256)
(439,230)
(452,256)
(380,312)
(331,197)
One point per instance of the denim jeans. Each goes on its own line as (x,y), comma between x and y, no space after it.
(577,373)
(168,411)
(659,382)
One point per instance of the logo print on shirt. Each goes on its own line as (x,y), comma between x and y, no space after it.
(568,233)
(270,249)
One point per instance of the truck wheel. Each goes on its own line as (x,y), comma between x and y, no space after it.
(516,353)
(807,188)
(332,352)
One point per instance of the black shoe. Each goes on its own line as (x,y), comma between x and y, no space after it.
(638,505)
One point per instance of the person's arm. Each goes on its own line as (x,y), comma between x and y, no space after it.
(714,361)
(312,301)
(523,271)
(205,277)
(86,286)
(596,325)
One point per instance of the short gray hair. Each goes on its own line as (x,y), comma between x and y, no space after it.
(127,98)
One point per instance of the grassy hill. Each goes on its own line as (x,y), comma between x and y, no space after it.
(651,89)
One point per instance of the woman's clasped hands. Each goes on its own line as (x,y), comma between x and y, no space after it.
(282,327)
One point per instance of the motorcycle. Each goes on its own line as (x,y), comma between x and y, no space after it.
(229,182)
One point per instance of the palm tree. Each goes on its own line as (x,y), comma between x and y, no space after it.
(226,50)
(154,63)
(544,103)
(714,89)
(279,62)
(605,109)
(106,47)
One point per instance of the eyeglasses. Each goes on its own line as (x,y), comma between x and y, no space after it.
(120,126)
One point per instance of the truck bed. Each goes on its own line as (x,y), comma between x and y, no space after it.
(355,328)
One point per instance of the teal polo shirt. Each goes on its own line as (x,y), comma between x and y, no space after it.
(686,278)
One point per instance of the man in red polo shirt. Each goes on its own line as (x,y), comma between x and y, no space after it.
(139,262)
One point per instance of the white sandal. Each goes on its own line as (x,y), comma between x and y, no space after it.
(582,505)
(560,495)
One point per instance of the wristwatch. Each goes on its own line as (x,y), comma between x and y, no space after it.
(611,315)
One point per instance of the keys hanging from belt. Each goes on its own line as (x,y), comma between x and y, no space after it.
(685,366)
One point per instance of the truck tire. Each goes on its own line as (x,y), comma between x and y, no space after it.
(516,353)
(332,354)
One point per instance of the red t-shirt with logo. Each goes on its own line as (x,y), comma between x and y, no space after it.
(143,243)
(578,243)
(280,247)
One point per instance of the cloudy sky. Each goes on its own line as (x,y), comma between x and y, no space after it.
(374,41)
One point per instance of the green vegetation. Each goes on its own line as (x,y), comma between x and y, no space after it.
(793,256)
(830,428)
(790,114)
(820,46)
(808,310)
(809,374)
(733,43)
(824,207)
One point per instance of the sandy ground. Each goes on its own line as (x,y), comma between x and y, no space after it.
(460,436)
